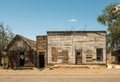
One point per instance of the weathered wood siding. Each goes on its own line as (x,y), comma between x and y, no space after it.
(41,46)
(69,42)
(41,43)
(20,47)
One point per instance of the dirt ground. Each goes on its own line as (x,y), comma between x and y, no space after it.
(62,70)
(60,75)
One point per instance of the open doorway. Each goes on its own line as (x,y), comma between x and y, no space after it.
(41,59)
(118,58)
(21,59)
(78,55)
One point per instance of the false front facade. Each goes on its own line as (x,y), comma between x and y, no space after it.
(76,47)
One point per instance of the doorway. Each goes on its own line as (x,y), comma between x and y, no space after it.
(78,55)
(41,59)
(22,59)
(118,59)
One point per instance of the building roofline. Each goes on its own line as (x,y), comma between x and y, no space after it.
(76,31)
(41,35)
(29,42)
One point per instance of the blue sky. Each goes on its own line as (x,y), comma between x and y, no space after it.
(35,17)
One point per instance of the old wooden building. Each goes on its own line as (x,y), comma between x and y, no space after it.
(76,47)
(59,47)
(41,48)
(22,52)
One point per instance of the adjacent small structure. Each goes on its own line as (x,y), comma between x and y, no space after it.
(22,52)
(41,47)
(113,56)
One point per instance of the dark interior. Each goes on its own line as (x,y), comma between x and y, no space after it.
(22,62)
(41,60)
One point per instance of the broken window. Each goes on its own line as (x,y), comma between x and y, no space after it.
(99,53)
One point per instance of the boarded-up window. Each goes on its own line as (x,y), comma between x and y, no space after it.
(89,55)
(99,53)
(54,54)
(88,58)
(65,56)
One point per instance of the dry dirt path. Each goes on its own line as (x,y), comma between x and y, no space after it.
(61,75)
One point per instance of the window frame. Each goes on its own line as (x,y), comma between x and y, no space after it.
(99,54)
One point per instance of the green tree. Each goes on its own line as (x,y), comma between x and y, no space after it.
(5,37)
(110,17)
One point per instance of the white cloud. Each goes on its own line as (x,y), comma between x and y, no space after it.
(72,20)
